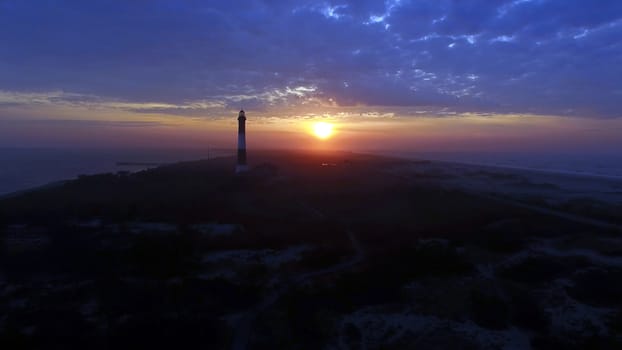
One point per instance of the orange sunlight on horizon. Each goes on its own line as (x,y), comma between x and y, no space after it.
(323,130)
(355,131)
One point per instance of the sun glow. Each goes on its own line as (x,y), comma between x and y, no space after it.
(322,130)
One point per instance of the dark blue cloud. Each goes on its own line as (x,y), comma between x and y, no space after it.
(536,56)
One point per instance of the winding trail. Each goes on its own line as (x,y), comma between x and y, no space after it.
(244,328)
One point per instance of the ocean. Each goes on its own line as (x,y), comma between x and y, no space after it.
(22,169)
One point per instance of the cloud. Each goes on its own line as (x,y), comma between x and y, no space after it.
(84,123)
(193,57)
(60,98)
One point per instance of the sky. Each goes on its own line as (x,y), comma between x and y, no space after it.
(443,75)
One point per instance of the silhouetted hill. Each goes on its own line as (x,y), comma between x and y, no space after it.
(307,250)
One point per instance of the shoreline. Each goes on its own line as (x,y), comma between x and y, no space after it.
(487,166)
(57,183)
(17,193)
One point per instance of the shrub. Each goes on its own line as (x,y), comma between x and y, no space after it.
(489,311)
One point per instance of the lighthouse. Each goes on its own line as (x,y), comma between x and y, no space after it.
(241,166)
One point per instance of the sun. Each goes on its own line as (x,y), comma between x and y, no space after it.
(322,130)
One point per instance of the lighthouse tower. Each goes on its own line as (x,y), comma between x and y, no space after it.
(241,166)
